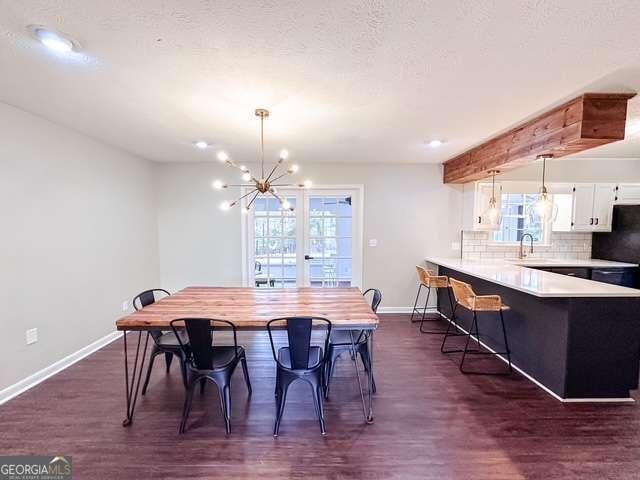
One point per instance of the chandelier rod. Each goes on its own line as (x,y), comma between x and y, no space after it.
(280,176)
(262,143)
(273,170)
(243,196)
(251,201)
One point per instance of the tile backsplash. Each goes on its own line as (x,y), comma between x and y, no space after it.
(478,245)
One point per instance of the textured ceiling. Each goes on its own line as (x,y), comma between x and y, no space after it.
(347,81)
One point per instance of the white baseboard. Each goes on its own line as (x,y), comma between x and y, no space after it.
(47,372)
(403,310)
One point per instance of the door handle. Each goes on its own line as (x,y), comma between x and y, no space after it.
(597,220)
(591,221)
(308,257)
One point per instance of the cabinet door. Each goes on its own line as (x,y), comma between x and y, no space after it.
(582,212)
(628,194)
(482,197)
(562,195)
(603,199)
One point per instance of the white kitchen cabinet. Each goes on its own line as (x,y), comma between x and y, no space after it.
(476,201)
(592,207)
(582,208)
(627,194)
(603,198)
(562,195)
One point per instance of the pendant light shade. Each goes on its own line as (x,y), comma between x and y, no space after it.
(492,213)
(544,207)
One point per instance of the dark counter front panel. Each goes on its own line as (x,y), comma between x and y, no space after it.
(576,347)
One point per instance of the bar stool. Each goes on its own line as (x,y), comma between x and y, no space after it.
(468,299)
(429,281)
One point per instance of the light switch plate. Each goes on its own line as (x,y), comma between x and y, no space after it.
(373,242)
(31,336)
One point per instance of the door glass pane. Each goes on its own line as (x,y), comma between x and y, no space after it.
(344,247)
(329,247)
(330,206)
(275,226)
(260,206)
(343,227)
(275,244)
(289,227)
(330,242)
(344,207)
(315,206)
(344,268)
(329,227)
(315,227)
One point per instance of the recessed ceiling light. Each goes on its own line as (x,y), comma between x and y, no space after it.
(435,143)
(54,40)
(201,144)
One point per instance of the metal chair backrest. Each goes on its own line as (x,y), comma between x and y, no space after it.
(299,339)
(376,298)
(200,332)
(147,297)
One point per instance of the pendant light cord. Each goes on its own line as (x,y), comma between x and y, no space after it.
(544,168)
(493,185)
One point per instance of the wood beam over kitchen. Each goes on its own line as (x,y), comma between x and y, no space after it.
(588,121)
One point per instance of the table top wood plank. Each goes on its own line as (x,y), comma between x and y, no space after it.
(251,308)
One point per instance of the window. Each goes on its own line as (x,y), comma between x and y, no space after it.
(519,217)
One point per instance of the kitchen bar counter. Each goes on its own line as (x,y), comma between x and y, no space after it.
(538,282)
(578,339)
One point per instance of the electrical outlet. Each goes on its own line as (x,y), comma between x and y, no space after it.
(373,242)
(31,336)
(125,305)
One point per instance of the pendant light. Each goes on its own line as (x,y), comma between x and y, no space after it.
(492,213)
(545,207)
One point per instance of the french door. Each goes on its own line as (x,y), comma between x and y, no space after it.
(319,244)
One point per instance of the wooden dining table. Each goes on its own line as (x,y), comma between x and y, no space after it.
(249,309)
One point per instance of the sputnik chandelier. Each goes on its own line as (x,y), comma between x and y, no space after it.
(262,185)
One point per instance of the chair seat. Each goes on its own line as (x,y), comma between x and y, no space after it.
(342,337)
(223,356)
(315,355)
(168,339)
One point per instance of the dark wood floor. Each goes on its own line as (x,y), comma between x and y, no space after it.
(431,422)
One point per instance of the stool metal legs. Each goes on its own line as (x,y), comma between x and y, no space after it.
(478,351)
(415,304)
(438,332)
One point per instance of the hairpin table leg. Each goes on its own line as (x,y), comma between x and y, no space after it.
(366,411)
(132,382)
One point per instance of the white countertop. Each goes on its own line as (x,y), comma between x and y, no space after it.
(559,262)
(539,282)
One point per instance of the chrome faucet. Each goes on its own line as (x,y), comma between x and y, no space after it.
(522,254)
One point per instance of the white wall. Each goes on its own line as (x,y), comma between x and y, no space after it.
(77,237)
(407,209)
